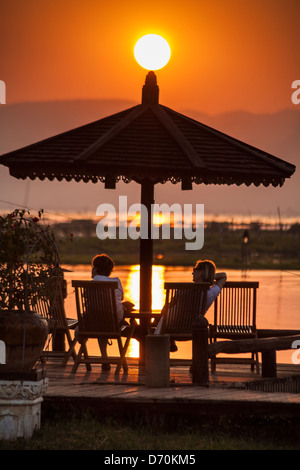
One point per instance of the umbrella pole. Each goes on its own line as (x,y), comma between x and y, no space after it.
(146,257)
(146,248)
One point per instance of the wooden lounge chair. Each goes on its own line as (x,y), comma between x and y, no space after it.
(97,318)
(185,301)
(235,318)
(53,309)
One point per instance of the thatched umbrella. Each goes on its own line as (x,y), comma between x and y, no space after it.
(149,144)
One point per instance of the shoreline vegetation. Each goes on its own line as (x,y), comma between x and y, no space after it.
(231,246)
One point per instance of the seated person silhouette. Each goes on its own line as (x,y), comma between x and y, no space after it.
(102,267)
(204,271)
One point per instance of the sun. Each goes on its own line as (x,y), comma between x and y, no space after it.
(152,52)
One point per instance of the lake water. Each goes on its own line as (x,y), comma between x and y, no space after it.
(278,303)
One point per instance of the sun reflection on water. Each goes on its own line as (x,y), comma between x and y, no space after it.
(132,287)
(132,293)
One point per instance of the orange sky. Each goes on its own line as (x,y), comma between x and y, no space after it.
(226,54)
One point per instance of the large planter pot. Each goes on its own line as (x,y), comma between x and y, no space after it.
(24,335)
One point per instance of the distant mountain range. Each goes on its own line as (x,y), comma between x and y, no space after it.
(278,133)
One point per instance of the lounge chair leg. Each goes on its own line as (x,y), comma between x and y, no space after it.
(86,356)
(122,350)
(102,342)
(77,360)
(70,353)
(257,363)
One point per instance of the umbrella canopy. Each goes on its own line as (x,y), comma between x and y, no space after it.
(148,143)
(147,140)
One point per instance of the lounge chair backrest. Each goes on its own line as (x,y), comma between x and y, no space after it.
(41,306)
(235,309)
(96,306)
(185,301)
(57,306)
(52,307)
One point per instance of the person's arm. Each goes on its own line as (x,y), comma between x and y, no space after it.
(221,279)
(127,306)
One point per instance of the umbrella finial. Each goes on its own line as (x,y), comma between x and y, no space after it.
(150,89)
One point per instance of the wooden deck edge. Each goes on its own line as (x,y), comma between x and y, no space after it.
(166,412)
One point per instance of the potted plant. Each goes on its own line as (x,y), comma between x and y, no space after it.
(29,259)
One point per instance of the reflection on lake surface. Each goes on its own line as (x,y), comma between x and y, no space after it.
(131,286)
(278,303)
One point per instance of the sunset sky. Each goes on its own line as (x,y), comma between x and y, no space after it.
(226,54)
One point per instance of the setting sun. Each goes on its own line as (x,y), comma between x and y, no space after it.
(152,52)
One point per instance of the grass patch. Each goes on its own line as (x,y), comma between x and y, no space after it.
(89,433)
